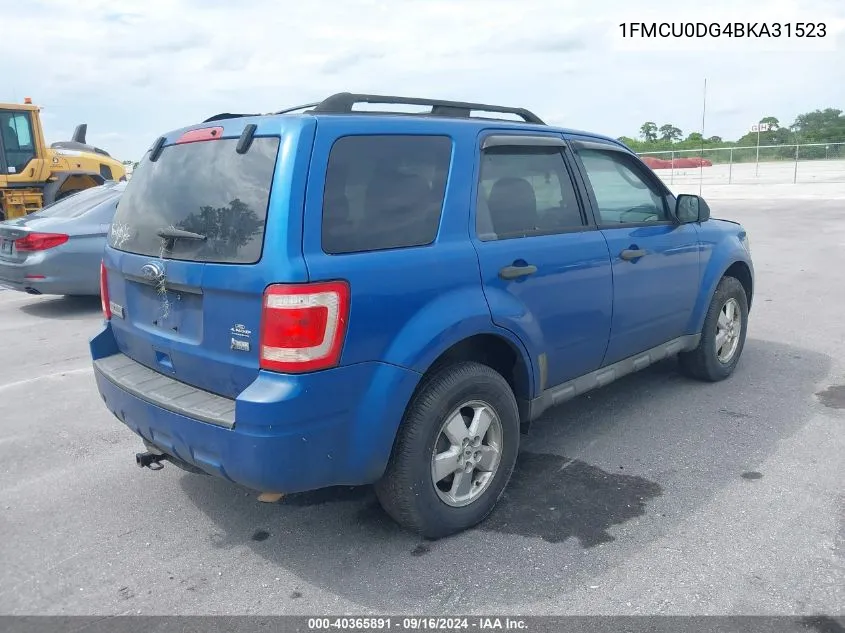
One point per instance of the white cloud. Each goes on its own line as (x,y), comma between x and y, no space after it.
(133,71)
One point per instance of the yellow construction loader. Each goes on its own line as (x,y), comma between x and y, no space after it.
(33,175)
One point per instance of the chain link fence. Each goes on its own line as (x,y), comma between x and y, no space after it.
(768,164)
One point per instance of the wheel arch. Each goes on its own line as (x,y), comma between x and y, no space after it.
(498,351)
(740,271)
(732,264)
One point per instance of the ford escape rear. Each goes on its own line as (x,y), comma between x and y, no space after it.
(325,297)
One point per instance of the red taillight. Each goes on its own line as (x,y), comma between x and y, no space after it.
(104,291)
(40,242)
(303,326)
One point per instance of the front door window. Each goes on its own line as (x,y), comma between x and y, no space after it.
(622,195)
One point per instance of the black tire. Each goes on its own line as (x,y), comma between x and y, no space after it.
(703,362)
(407,490)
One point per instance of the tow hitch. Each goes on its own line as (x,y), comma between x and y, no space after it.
(149,460)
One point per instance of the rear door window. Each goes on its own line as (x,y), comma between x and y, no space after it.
(205,188)
(383,192)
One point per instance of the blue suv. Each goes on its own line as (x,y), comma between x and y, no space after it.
(329,296)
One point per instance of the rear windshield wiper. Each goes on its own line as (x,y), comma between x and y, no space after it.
(179,234)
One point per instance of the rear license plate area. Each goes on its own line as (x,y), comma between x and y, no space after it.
(169,313)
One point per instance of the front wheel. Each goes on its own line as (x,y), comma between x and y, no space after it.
(723,334)
(454,453)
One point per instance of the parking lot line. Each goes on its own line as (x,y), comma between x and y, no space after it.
(68,372)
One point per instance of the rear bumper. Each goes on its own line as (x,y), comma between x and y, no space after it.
(290,433)
(41,278)
(13,276)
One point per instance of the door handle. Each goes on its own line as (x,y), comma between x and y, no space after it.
(515,272)
(628,254)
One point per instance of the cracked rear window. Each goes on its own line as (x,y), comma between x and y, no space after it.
(206,189)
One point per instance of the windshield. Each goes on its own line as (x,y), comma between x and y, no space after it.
(204,188)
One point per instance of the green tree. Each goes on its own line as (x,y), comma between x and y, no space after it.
(648,131)
(669,132)
(820,126)
(778,136)
(771,121)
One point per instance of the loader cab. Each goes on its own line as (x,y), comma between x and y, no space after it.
(33,174)
(18,144)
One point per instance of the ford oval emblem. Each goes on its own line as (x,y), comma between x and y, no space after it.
(152,271)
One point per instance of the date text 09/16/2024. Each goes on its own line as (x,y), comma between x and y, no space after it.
(409,623)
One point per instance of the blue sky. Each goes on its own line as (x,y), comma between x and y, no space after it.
(133,70)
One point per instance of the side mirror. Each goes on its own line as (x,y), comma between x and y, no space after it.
(690,208)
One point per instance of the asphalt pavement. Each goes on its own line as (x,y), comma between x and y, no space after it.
(655,495)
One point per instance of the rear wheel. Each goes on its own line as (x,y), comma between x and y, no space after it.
(454,453)
(723,334)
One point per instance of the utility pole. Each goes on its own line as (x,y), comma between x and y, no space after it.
(701,156)
(759,127)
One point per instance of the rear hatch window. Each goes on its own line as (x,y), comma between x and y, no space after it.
(211,198)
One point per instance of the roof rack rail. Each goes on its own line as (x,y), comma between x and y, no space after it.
(343,102)
(300,107)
